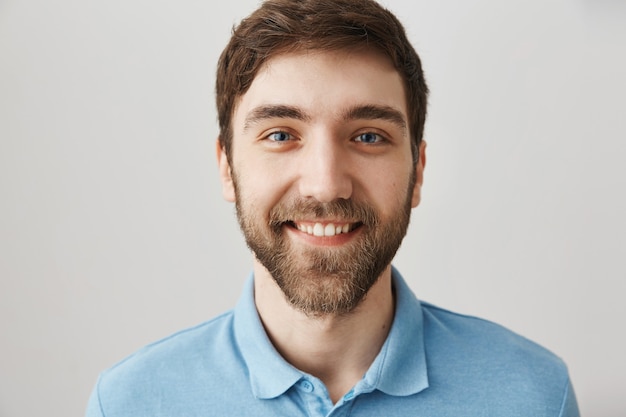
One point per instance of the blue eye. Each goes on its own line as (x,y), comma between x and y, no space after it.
(369,137)
(279,136)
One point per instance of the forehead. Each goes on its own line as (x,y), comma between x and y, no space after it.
(324,83)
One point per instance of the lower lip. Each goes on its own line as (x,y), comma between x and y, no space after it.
(337,240)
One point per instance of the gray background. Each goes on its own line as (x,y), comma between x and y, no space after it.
(113,232)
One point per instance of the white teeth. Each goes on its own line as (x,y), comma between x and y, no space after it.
(318,229)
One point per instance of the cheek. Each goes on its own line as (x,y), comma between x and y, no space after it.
(258,190)
(387,191)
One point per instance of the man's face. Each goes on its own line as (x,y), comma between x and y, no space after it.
(322,175)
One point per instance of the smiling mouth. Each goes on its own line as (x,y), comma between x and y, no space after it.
(324,229)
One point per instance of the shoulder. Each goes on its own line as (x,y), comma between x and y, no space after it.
(481,336)
(207,352)
(183,344)
(485,357)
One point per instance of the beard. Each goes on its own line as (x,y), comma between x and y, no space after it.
(322,281)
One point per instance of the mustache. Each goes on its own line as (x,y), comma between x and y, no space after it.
(348,210)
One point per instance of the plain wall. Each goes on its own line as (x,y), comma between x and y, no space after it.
(113,232)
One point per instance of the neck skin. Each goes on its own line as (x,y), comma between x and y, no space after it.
(336,349)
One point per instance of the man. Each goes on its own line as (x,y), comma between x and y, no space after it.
(321,109)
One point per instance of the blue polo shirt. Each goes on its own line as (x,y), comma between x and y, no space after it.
(433,363)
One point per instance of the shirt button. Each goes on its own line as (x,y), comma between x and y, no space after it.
(306,386)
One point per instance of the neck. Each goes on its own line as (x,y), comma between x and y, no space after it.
(338,349)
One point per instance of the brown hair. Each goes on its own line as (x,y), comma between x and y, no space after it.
(281,26)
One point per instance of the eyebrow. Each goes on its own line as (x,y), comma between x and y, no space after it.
(375,112)
(274,111)
(359,112)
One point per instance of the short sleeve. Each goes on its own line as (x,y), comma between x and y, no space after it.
(569,407)
(93,407)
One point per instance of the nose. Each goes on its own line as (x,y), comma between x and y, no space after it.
(325,170)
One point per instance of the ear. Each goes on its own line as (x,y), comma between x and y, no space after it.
(419,172)
(226,175)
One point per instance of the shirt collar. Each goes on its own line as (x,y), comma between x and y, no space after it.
(399,368)
(270,374)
